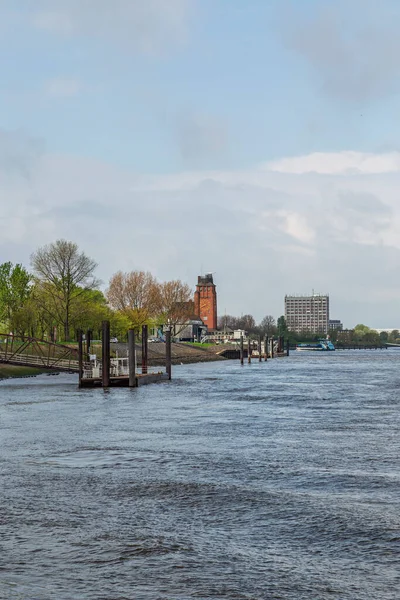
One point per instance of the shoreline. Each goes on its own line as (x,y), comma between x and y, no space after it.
(14,372)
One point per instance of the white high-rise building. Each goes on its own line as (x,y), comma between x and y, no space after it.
(307,313)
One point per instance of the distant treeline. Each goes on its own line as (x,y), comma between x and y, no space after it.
(360,335)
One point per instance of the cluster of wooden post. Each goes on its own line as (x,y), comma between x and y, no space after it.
(106,354)
(269,348)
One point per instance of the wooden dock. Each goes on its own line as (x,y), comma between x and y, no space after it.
(122,371)
(123,380)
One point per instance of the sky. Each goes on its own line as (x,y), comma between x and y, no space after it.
(255,139)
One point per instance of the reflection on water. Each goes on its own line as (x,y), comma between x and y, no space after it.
(277,480)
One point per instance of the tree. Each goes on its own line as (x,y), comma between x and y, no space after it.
(246,322)
(267,325)
(282,327)
(228,321)
(384,337)
(136,295)
(89,311)
(15,288)
(65,274)
(175,304)
(372,337)
(361,329)
(334,334)
(45,320)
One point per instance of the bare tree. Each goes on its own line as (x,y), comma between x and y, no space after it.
(176,303)
(64,274)
(268,326)
(228,321)
(136,295)
(246,322)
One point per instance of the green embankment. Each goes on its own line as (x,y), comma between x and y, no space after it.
(7,371)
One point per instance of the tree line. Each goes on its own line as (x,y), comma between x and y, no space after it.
(267,326)
(60,294)
(360,335)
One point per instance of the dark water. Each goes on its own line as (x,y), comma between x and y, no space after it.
(278,480)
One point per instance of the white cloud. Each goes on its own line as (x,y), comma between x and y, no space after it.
(299,227)
(337,163)
(148,26)
(62,87)
(264,233)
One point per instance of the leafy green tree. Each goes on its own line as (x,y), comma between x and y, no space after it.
(89,311)
(361,329)
(384,337)
(119,324)
(282,326)
(394,336)
(15,288)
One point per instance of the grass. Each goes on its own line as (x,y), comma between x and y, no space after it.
(7,371)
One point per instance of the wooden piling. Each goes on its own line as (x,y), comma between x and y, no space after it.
(168,354)
(272,347)
(132,358)
(241,350)
(259,349)
(88,342)
(80,357)
(266,347)
(287,347)
(144,349)
(249,351)
(105,356)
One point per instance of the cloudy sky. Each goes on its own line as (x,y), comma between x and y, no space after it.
(256,139)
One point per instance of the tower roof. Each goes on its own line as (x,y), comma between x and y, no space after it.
(206,279)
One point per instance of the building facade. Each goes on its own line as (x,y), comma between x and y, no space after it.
(205,301)
(335,325)
(307,313)
(191,331)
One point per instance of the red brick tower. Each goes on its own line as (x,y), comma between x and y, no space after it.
(205,301)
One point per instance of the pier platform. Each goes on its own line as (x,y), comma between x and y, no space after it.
(123,380)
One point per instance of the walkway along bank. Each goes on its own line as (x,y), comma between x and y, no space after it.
(120,371)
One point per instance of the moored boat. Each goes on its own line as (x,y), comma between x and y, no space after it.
(320,346)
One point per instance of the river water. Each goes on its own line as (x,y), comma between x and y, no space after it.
(269,481)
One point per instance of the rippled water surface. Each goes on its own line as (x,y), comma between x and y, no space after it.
(277,480)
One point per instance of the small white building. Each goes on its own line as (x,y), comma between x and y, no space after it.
(238,333)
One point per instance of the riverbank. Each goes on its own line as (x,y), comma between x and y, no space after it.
(11,371)
(181,353)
